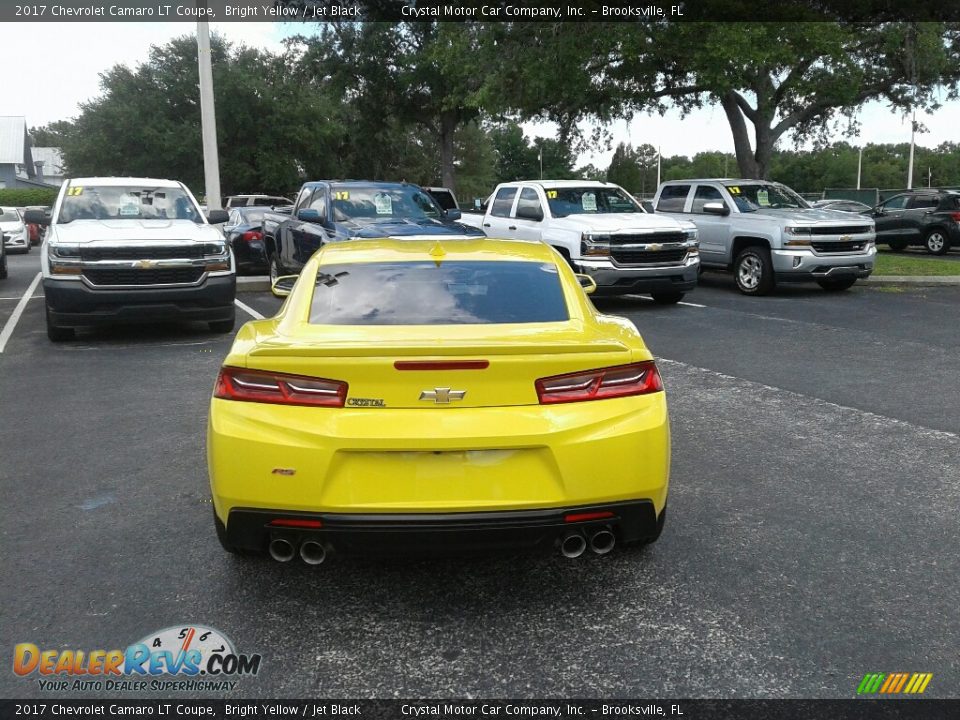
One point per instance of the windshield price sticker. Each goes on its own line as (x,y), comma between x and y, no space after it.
(551,194)
(734,190)
(77,190)
(383,204)
(341,195)
(763,198)
(589,201)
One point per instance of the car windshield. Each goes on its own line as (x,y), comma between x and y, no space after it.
(432,293)
(127,202)
(379,204)
(759,196)
(9,215)
(589,201)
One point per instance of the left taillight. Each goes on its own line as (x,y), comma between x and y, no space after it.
(252,236)
(279,388)
(611,382)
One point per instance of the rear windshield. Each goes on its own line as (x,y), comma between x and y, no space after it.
(127,202)
(423,293)
(9,215)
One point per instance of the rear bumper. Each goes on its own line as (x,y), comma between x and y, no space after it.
(613,279)
(346,461)
(441,533)
(74,304)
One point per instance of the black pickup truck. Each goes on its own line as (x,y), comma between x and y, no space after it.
(330,211)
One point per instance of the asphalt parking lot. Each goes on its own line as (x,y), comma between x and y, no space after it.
(812,535)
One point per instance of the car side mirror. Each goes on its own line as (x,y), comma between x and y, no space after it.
(36,217)
(588,284)
(877,211)
(716,208)
(217,217)
(525,212)
(453,214)
(309,215)
(283,285)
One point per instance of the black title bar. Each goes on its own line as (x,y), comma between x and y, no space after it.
(866,709)
(635,11)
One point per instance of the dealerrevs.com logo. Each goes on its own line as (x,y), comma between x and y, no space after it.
(188,657)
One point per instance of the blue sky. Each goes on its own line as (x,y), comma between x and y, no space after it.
(61,78)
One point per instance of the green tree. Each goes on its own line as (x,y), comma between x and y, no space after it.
(272,127)
(419,74)
(804,78)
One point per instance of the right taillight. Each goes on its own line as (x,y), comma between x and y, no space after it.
(610,382)
(252,236)
(279,388)
(955,216)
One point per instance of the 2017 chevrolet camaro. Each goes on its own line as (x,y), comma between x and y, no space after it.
(423,396)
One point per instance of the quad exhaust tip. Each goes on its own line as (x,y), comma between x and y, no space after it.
(281,550)
(312,552)
(602,541)
(573,545)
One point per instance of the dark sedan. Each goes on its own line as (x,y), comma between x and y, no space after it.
(244,231)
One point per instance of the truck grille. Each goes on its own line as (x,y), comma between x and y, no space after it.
(840,229)
(152,252)
(647,257)
(839,247)
(157,276)
(644,238)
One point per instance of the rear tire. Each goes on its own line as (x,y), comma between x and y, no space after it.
(224,326)
(753,271)
(837,285)
(936,242)
(3,267)
(897,245)
(667,298)
(56,333)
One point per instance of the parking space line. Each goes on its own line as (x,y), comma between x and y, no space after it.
(249,310)
(32,297)
(17,312)
(650,299)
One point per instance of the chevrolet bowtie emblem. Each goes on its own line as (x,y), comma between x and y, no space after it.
(145,264)
(654,247)
(442,396)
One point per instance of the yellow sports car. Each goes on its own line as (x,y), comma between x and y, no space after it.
(422,395)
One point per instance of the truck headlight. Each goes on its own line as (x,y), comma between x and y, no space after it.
(690,234)
(216,256)
(799,236)
(64,259)
(595,244)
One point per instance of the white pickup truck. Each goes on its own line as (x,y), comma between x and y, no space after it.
(601,231)
(123,250)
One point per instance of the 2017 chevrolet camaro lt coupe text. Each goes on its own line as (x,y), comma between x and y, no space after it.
(423,395)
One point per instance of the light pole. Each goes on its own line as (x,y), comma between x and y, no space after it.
(913,129)
(208,118)
(658,166)
(859,166)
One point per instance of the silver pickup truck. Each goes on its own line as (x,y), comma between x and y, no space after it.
(767,234)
